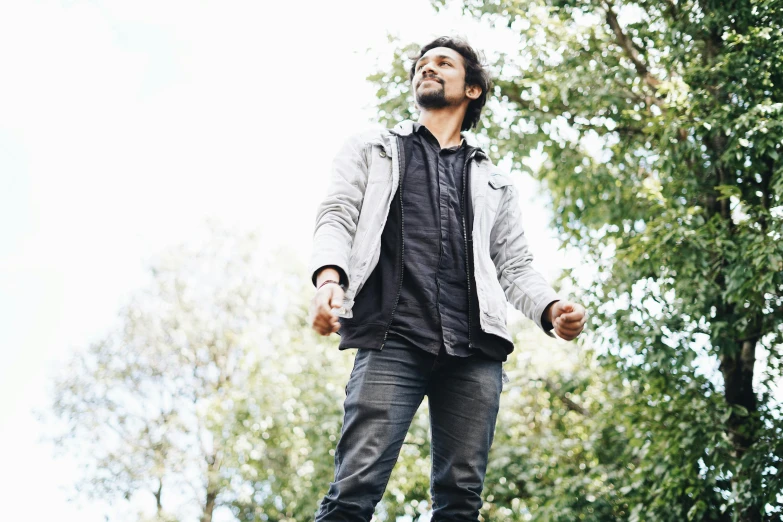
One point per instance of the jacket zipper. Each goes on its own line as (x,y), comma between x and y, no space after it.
(465,234)
(401,162)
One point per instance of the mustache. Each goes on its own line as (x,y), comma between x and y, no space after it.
(430,77)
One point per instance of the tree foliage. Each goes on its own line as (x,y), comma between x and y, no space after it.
(657,129)
(199,381)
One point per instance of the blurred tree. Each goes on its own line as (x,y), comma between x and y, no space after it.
(288,421)
(657,129)
(156,405)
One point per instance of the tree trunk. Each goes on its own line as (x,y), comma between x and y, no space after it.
(737,370)
(158,495)
(738,357)
(209,505)
(213,466)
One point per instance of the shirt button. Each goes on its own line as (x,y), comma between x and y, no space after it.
(383,153)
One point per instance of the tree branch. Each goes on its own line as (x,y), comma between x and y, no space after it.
(630,49)
(602,129)
(673,9)
(571,405)
(647,100)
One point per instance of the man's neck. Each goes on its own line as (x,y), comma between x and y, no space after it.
(444,124)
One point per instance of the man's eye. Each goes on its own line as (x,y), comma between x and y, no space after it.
(445,63)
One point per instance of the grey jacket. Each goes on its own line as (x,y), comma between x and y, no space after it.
(350,220)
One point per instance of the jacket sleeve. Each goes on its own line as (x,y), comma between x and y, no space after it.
(525,288)
(338,213)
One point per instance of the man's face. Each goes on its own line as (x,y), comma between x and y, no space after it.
(439,80)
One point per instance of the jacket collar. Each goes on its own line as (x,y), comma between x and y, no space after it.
(404,128)
(407,127)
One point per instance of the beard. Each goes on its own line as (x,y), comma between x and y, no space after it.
(432,99)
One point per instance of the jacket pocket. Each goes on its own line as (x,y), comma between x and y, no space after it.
(498,184)
(380,166)
(498,181)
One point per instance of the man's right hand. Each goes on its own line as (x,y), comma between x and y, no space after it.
(326,298)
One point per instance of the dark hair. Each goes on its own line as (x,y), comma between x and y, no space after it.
(475,74)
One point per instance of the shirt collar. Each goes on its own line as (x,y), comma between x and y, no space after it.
(418,128)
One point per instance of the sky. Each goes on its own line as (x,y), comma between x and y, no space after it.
(125,126)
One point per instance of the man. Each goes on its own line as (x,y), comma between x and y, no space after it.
(418,246)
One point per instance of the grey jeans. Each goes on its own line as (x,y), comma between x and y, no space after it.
(383,393)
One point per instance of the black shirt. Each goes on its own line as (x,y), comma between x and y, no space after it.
(438,306)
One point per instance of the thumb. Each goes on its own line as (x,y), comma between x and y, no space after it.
(568,307)
(337,299)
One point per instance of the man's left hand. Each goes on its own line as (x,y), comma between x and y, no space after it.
(568,319)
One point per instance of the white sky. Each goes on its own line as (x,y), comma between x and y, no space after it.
(125,125)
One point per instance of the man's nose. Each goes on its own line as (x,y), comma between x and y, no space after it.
(427,68)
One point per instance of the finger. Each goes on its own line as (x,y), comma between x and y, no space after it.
(568,331)
(326,319)
(330,315)
(333,325)
(567,334)
(561,323)
(570,325)
(322,328)
(571,317)
(318,329)
(329,322)
(322,323)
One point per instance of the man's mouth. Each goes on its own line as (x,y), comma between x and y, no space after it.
(429,80)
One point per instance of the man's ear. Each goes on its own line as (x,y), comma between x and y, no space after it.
(472,91)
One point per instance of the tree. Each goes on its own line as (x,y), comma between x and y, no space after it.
(288,420)
(657,129)
(156,406)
